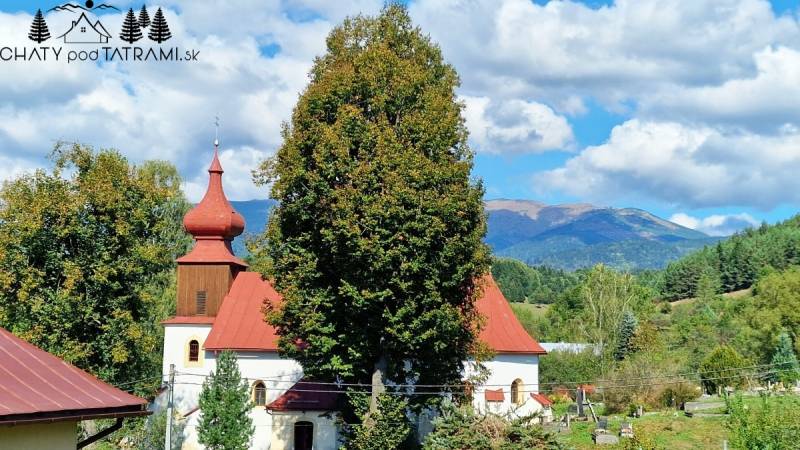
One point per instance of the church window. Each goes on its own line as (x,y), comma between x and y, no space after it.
(194,350)
(516,393)
(260,394)
(201,303)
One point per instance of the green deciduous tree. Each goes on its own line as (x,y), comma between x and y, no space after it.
(385,428)
(784,360)
(376,244)
(724,366)
(225,405)
(87,260)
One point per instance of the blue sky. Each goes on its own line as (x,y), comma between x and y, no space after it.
(685,109)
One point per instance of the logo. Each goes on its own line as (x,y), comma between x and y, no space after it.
(84,27)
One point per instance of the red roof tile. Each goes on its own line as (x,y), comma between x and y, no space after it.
(307,396)
(494,395)
(189,320)
(502,331)
(240,322)
(36,386)
(542,399)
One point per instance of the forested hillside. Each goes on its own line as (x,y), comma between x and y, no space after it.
(522,283)
(735,263)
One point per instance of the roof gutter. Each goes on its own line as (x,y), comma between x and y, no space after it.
(92,439)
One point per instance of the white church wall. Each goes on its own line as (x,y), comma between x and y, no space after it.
(326,432)
(504,369)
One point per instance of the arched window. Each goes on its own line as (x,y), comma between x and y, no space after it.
(194,350)
(259,394)
(516,392)
(303,435)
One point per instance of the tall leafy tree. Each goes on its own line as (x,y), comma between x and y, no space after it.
(130,28)
(785,366)
(376,244)
(225,422)
(87,258)
(724,366)
(39,31)
(159,29)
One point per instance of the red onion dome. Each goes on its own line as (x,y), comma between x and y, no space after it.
(214,217)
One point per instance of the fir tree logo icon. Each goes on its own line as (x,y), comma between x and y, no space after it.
(159,30)
(130,28)
(39,32)
(144,18)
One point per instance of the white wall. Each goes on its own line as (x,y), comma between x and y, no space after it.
(276,373)
(326,434)
(44,436)
(504,369)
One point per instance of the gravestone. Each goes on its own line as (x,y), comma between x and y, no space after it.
(626,430)
(605,439)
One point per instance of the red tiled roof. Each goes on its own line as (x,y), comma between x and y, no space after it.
(494,395)
(189,320)
(36,386)
(240,323)
(307,396)
(542,399)
(502,331)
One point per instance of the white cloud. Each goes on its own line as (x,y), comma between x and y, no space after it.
(684,166)
(716,224)
(515,126)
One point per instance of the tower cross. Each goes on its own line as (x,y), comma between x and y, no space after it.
(216,131)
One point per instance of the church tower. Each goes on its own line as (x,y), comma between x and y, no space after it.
(206,273)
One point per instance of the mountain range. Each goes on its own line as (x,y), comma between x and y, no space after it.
(567,236)
(572,236)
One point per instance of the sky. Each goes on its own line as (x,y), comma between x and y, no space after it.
(687,109)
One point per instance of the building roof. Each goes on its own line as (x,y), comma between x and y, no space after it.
(502,332)
(189,320)
(308,396)
(213,223)
(240,325)
(36,386)
(541,399)
(494,395)
(240,321)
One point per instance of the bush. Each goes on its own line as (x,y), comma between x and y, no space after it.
(388,428)
(721,368)
(569,368)
(674,396)
(774,424)
(460,428)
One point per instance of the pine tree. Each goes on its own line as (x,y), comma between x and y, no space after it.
(39,32)
(786,367)
(130,28)
(159,30)
(144,18)
(627,329)
(225,422)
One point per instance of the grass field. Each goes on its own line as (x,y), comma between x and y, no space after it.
(669,430)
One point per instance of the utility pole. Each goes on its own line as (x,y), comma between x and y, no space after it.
(170,394)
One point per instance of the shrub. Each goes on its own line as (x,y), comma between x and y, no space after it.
(677,394)
(567,368)
(460,428)
(774,424)
(388,428)
(721,368)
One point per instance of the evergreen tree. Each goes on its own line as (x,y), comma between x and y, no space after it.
(627,329)
(130,28)
(144,18)
(785,365)
(39,32)
(225,422)
(159,30)
(379,222)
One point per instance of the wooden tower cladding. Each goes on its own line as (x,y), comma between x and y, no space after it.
(206,273)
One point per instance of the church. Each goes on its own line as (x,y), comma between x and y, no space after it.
(219,307)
